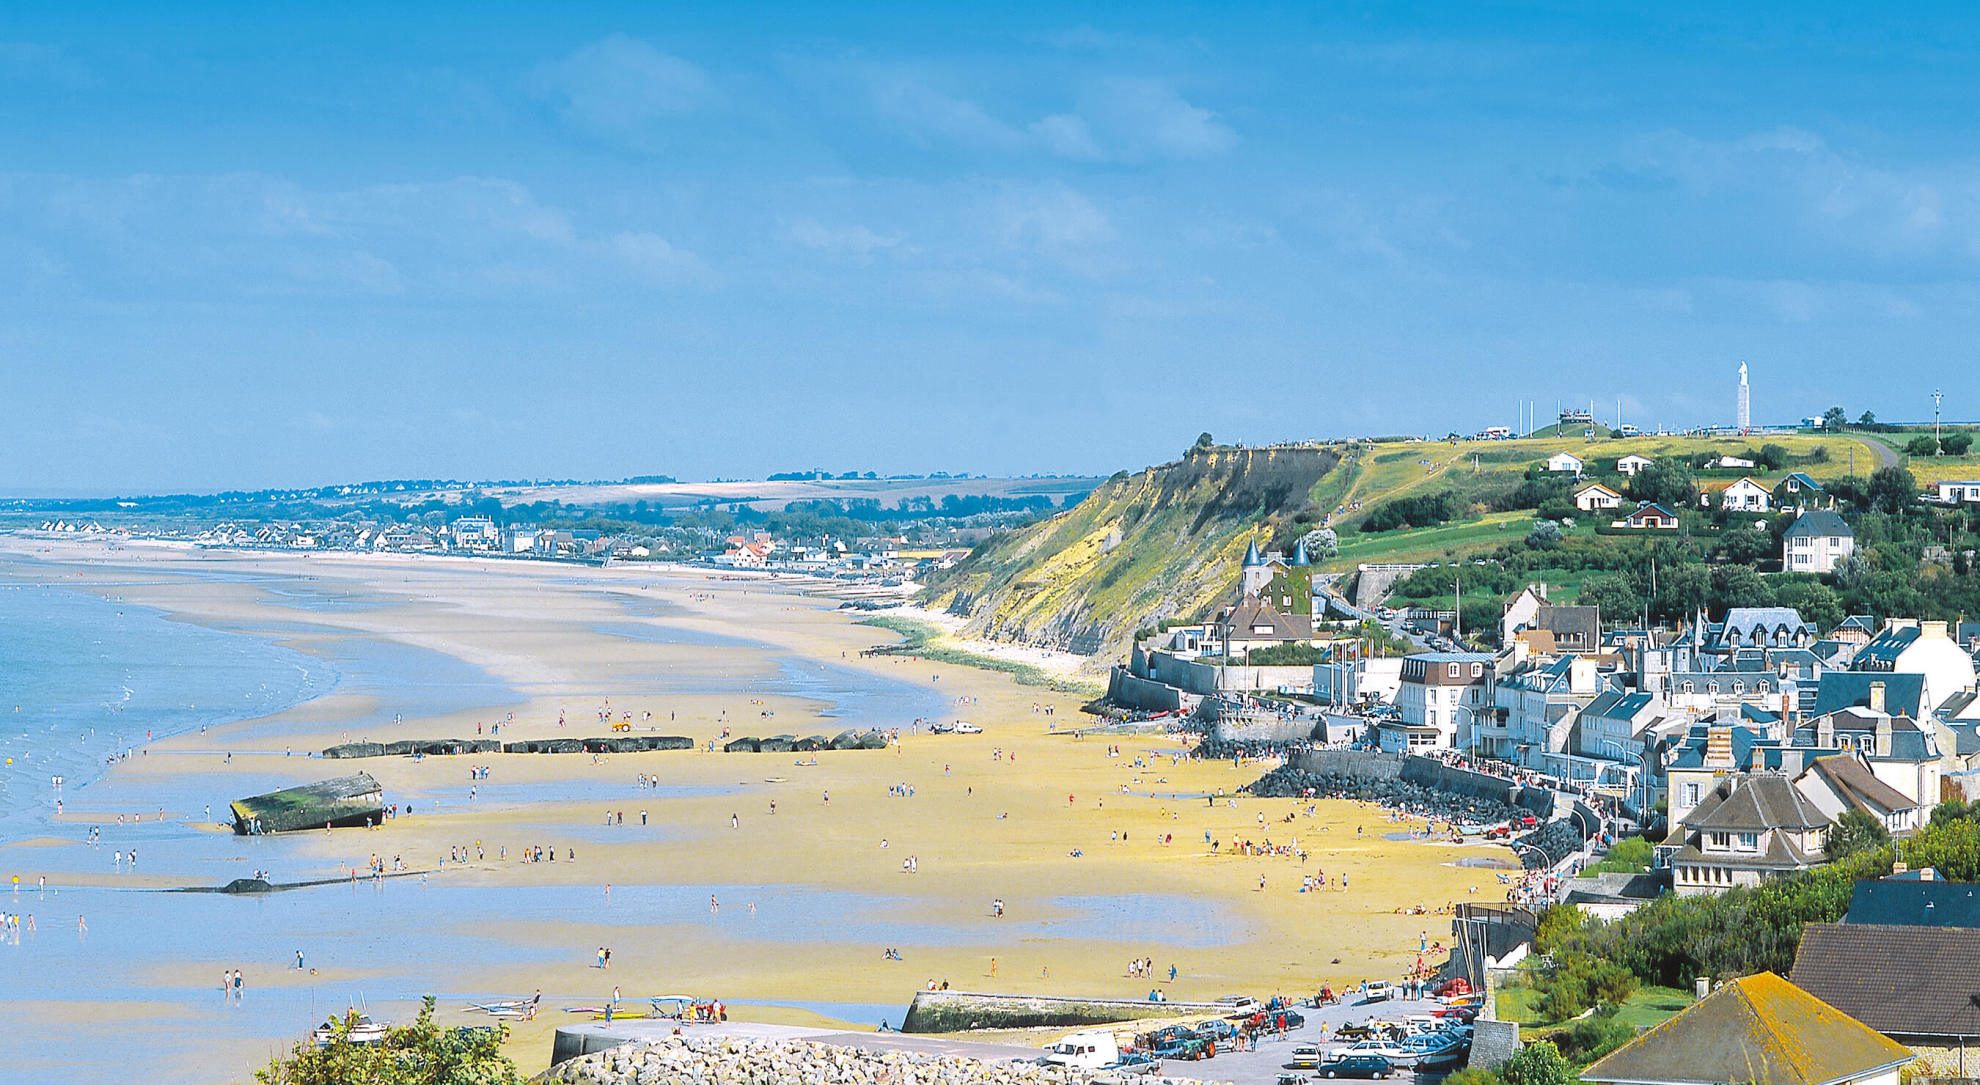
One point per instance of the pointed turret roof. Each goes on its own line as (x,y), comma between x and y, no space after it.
(1299,555)
(1251,556)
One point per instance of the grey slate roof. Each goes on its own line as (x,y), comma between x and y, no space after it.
(1909,902)
(1856,785)
(1818,522)
(1899,980)
(1837,690)
(1756,804)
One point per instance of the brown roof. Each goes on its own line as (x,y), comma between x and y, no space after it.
(1251,614)
(1856,785)
(1761,1029)
(1908,981)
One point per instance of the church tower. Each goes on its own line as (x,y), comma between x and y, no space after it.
(1745,405)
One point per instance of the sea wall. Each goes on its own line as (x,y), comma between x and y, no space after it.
(1123,688)
(1426,772)
(958,1011)
(442,747)
(1267,727)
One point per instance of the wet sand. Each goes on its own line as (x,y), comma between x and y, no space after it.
(995,815)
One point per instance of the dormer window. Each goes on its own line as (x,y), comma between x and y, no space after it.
(1749,841)
(1686,687)
(1712,687)
(1452,670)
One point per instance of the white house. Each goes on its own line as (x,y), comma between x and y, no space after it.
(1441,693)
(1596,496)
(1746,495)
(1729,463)
(1955,491)
(1565,463)
(1632,463)
(1816,542)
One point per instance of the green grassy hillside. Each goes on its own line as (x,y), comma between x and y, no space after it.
(1162,543)
(1165,543)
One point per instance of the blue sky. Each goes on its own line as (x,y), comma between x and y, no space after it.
(254,245)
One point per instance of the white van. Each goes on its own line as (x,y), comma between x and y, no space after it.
(1084,1051)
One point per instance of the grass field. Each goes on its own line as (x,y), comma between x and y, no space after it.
(1432,543)
(1648,1006)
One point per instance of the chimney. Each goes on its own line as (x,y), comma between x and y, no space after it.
(1883,736)
(1876,696)
(1932,631)
(1718,747)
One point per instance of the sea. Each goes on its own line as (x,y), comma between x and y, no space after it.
(87,678)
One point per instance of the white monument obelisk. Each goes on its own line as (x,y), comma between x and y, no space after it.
(1745,405)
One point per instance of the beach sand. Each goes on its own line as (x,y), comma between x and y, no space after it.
(997,815)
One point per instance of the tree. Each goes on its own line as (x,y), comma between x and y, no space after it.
(1683,590)
(1867,418)
(1856,831)
(1812,599)
(1322,543)
(1546,535)
(1669,482)
(1957,444)
(1773,457)
(1834,419)
(1204,440)
(1740,586)
(421,1052)
(1538,1063)
(1616,597)
(1921,445)
(1891,489)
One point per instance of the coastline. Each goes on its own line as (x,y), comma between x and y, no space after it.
(990,818)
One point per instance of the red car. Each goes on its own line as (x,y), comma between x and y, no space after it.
(1499,832)
(1527,821)
(1463,1015)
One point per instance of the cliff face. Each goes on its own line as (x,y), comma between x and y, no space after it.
(1163,543)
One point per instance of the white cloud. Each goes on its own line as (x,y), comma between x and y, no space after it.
(1051,217)
(854,239)
(252,235)
(1127,120)
(622,86)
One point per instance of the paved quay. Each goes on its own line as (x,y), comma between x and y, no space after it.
(1256,1067)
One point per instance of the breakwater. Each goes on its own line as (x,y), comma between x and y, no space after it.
(961,1011)
(449,747)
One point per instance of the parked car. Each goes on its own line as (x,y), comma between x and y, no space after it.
(1240,1003)
(1358,1065)
(1527,821)
(1216,1029)
(1304,1057)
(1499,832)
(964,728)
(1378,991)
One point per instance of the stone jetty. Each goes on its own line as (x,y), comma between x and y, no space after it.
(698,1060)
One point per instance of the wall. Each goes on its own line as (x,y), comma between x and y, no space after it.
(1372,582)
(958,1011)
(1428,772)
(1268,728)
(1204,679)
(1151,696)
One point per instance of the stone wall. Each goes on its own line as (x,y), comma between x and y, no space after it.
(958,1011)
(1492,1043)
(1367,764)
(1267,727)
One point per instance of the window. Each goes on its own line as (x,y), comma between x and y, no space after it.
(1712,686)
(1720,840)
(1686,687)
(1739,688)
(1691,794)
(1749,841)
(1452,670)
(1477,669)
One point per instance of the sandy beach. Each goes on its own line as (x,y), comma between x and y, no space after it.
(773,885)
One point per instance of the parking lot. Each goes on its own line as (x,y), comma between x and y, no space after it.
(1263,1066)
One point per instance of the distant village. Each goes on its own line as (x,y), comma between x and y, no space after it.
(896,557)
